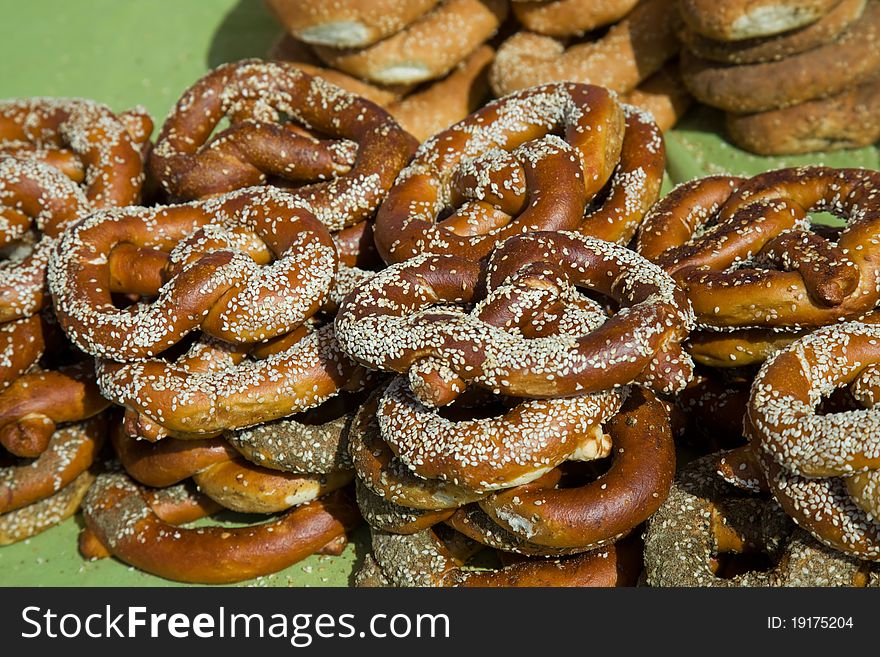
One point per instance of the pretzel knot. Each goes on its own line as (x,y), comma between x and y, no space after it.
(405,319)
(557,157)
(84,140)
(823,469)
(747,256)
(244,267)
(365,150)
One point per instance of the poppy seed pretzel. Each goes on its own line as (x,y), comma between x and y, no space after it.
(807,457)
(349,179)
(390,323)
(87,142)
(204,260)
(759,264)
(496,168)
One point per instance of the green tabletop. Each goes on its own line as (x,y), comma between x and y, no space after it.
(146,52)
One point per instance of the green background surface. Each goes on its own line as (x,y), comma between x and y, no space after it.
(147,52)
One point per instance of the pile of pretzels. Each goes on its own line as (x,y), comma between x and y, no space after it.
(430,63)
(286,315)
(793,76)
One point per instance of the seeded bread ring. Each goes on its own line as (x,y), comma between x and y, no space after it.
(570,17)
(391,517)
(733,20)
(369,575)
(426,49)
(818,73)
(845,120)
(110,157)
(119,514)
(349,23)
(769,49)
(630,52)
(39,516)
(704,517)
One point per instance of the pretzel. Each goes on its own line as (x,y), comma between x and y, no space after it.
(778,46)
(365,151)
(347,24)
(98,148)
(569,17)
(426,49)
(70,452)
(383,514)
(34,404)
(845,120)
(421,110)
(39,516)
(714,407)
(422,559)
(630,52)
(21,345)
(600,512)
(388,323)
(813,281)
(831,69)
(118,512)
(663,96)
(806,456)
(740,348)
(733,20)
(704,519)
(212,280)
(497,168)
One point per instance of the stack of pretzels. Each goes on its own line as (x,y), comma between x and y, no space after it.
(431,63)
(60,160)
(793,76)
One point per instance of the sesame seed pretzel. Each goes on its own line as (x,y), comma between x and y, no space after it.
(390,323)
(351,170)
(569,17)
(121,518)
(347,23)
(204,260)
(503,171)
(732,20)
(84,140)
(22,342)
(807,458)
(423,559)
(36,203)
(747,257)
(704,520)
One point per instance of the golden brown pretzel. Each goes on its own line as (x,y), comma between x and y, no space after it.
(389,323)
(732,20)
(631,51)
(21,344)
(502,171)
(799,279)
(213,279)
(119,514)
(349,23)
(191,162)
(663,96)
(600,512)
(705,520)
(806,456)
(33,404)
(569,17)
(427,49)
(422,559)
(824,71)
(85,139)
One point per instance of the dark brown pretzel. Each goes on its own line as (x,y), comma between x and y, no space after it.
(760,265)
(84,139)
(191,162)
(22,343)
(32,406)
(503,171)
(704,519)
(119,514)
(213,278)
(388,323)
(808,457)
